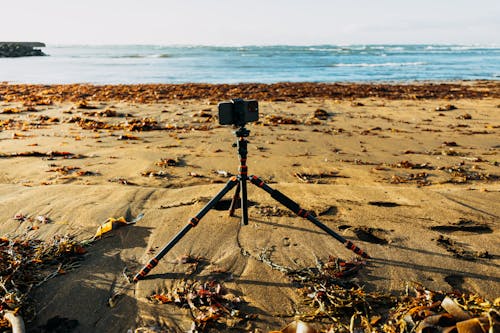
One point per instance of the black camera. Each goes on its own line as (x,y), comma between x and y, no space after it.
(238,112)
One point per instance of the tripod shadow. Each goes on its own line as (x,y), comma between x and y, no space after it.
(444,255)
(274,224)
(434,269)
(181,276)
(451,273)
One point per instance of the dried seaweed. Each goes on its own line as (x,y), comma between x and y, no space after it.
(339,302)
(49,155)
(268,211)
(462,173)
(421,308)
(410,165)
(211,305)
(275,120)
(320,114)
(33,94)
(420,179)
(28,263)
(317,178)
(139,125)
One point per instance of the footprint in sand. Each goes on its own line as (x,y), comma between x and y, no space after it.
(464,225)
(371,235)
(455,281)
(459,250)
(384,204)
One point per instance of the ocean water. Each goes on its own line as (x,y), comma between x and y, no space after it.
(266,64)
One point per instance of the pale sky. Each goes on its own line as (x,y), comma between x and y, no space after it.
(251,22)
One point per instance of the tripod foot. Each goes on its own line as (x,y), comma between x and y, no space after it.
(294,207)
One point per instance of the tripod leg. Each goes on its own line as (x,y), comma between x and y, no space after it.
(234,202)
(240,189)
(193,222)
(244,202)
(294,207)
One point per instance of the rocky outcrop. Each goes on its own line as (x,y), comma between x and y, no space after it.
(20,49)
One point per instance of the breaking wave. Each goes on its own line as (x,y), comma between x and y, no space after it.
(385,64)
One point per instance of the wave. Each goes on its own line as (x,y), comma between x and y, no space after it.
(140,56)
(385,64)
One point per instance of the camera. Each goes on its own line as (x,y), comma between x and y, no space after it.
(238,112)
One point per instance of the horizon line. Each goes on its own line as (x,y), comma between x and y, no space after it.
(493,45)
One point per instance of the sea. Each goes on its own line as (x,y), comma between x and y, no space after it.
(125,64)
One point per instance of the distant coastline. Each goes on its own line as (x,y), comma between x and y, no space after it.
(21,49)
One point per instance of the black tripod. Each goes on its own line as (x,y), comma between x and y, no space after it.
(241,188)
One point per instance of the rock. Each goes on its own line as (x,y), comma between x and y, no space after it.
(20,49)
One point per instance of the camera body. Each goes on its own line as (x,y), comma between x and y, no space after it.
(238,112)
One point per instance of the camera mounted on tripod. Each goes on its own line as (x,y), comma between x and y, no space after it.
(238,112)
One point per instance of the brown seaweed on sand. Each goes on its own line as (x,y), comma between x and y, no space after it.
(333,298)
(34,94)
(27,263)
(210,304)
(317,177)
(49,155)
(420,178)
(462,173)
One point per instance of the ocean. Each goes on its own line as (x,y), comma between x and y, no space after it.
(265,64)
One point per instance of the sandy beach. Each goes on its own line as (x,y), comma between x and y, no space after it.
(409,173)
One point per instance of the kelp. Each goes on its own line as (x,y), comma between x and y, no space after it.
(83,94)
(210,304)
(27,263)
(332,298)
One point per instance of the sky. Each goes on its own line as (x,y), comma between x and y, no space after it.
(257,22)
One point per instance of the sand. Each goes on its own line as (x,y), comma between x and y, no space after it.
(412,181)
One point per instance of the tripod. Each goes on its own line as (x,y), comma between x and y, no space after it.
(241,188)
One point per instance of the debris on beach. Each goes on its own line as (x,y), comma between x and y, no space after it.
(83,104)
(459,250)
(420,178)
(164,162)
(49,155)
(11,111)
(296,326)
(275,120)
(28,263)
(105,113)
(156,174)
(410,165)
(114,223)
(127,137)
(333,297)
(37,94)
(423,310)
(210,303)
(462,173)
(320,114)
(132,125)
(121,180)
(447,107)
(317,178)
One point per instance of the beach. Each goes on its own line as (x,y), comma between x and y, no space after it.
(407,172)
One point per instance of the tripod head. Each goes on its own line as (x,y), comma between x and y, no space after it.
(242,132)
(241,142)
